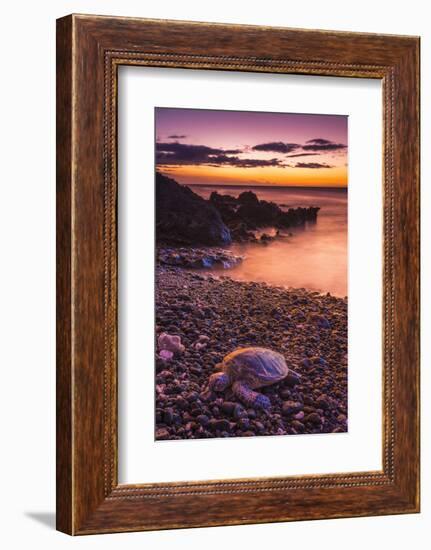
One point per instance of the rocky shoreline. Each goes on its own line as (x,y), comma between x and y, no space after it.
(186,219)
(197,257)
(245,214)
(212,316)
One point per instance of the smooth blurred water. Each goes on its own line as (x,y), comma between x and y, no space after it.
(314,257)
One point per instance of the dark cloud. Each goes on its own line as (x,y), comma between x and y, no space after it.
(302,155)
(277,147)
(181,153)
(175,136)
(246,163)
(317,145)
(312,165)
(319,141)
(176,153)
(320,144)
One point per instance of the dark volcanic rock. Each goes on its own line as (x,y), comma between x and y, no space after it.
(197,258)
(247,213)
(202,419)
(162,433)
(184,217)
(313,418)
(248,198)
(292,379)
(290,407)
(222,425)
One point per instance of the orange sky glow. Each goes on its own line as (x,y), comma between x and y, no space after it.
(207,175)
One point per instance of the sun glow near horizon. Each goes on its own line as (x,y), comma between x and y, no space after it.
(283,177)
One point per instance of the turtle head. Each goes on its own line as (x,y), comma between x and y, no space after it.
(219,381)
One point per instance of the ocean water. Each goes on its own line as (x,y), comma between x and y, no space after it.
(314,257)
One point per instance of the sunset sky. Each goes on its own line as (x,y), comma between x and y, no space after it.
(197,146)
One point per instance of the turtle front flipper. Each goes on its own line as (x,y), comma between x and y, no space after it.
(249,397)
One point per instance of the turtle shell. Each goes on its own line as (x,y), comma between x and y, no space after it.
(255,366)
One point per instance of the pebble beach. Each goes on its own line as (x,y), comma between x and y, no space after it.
(213,315)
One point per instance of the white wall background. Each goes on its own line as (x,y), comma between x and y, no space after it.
(27,297)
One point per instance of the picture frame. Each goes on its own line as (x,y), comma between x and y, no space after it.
(89,51)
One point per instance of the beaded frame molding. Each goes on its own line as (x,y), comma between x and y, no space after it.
(89,51)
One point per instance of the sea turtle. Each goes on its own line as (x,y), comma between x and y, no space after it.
(246,369)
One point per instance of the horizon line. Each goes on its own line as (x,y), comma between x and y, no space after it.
(264,185)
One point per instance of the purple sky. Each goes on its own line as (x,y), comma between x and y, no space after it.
(235,135)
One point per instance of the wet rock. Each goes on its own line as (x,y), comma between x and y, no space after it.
(185,217)
(338,430)
(243,423)
(285,394)
(247,212)
(228,407)
(313,418)
(168,416)
(259,427)
(319,361)
(162,433)
(239,412)
(320,321)
(265,239)
(306,363)
(221,425)
(207,396)
(292,379)
(233,409)
(181,403)
(196,258)
(202,419)
(291,407)
(322,403)
(308,400)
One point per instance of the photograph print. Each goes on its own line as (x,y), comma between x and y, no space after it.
(251,274)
